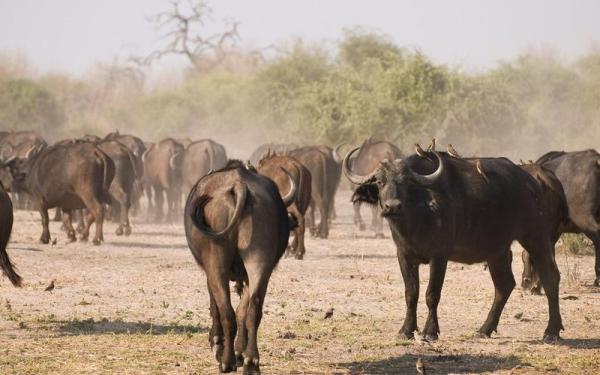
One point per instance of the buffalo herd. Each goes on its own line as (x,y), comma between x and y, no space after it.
(239,215)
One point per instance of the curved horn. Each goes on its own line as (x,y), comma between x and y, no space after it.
(29,152)
(354,178)
(336,154)
(431,178)
(9,160)
(241,191)
(419,151)
(289,198)
(172,160)
(210,159)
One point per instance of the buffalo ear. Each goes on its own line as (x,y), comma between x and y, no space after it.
(367,193)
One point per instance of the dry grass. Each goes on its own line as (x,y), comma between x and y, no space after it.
(139,305)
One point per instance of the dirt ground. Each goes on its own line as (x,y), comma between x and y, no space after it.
(139,305)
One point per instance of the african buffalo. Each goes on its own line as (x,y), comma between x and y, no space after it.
(237,228)
(442,208)
(199,158)
(334,174)
(371,153)
(162,172)
(70,176)
(556,212)
(319,165)
(138,147)
(122,186)
(276,168)
(6,224)
(579,174)
(19,144)
(269,148)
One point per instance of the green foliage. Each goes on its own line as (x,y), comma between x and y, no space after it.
(26,104)
(369,87)
(577,244)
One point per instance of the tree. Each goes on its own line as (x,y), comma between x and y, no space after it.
(185,26)
(25,104)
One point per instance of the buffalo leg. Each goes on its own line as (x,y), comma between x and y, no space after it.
(504,283)
(148,191)
(242,334)
(595,237)
(297,247)
(216,330)
(158,203)
(410,275)
(437,272)
(96,214)
(68,224)
(258,279)
(545,266)
(80,219)
(219,286)
(358,220)
(123,202)
(57,214)
(310,217)
(530,280)
(45,238)
(323,220)
(377,221)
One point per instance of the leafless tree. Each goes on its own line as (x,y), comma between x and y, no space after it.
(185,26)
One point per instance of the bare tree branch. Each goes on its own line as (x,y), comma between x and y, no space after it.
(184,37)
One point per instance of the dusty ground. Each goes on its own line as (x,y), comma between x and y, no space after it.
(139,304)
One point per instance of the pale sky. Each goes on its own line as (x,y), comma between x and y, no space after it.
(72,35)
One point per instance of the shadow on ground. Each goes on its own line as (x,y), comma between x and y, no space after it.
(434,364)
(104,326)
(145,245)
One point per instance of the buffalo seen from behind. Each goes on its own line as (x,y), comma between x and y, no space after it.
(70,176)
(199,158)
(278,169)
(579,174)
(441,208)
(237,228)
(162,175)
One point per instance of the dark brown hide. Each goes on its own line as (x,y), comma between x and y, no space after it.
(271,167)
(237,228)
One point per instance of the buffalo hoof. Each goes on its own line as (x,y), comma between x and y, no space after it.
(551,338)
(299,256)
(251,366)
(119,231)
(536,291)
(97,241)
(71,237)
(597,282)
(481,335)
(45,240)
(239,359)
(224,367)
(127,230)
(217,351)
(406,335)
(431,337)
(379,235)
